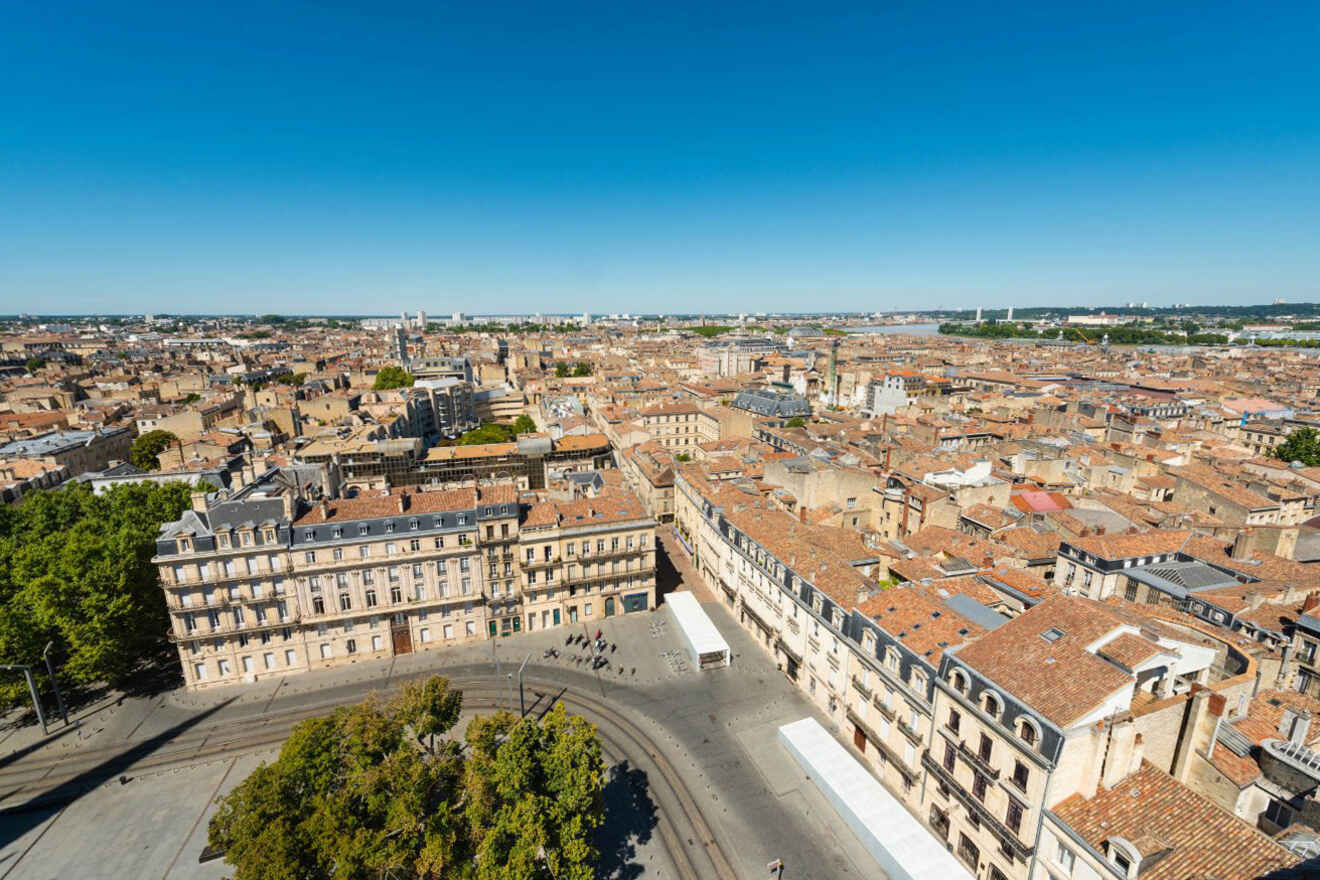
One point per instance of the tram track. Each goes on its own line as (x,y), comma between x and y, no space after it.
(685,835)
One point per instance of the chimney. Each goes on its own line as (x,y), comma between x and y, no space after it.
(1241,545)
(1295,724)
(403,501)
(1312,600)
(1118,754)
(1218,703)
(199,502)
(325,509)
(1197,729)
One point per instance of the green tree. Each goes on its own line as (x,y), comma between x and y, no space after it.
(192,397)
(34,364)
(795,422)
(562,370)
(75,568)
(582,369)
(524,424)
(362,792)
(534,796)
(146,449)
(393,377)
(1302,445)
(491,432)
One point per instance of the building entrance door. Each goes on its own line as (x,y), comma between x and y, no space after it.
(402,639)
(859,738)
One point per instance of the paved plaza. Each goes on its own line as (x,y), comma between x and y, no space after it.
(718,728)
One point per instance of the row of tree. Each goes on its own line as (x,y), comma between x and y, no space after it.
(75,569)
(382,790)
(1124,334)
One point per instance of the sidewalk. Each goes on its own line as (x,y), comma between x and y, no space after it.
(633,648)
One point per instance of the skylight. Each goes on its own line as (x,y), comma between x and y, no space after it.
(1053,634)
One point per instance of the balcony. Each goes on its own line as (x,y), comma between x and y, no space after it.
(540,563)
(861,688)
(893,758)
(1006,836)
(910,732)
(977,761)
(883,709)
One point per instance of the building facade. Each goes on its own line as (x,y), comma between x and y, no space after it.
(272,580)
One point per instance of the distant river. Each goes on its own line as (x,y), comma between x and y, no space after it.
(891,329)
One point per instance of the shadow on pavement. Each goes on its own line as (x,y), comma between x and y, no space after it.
(22,817)
(667,576)
(28,749)
(630,817)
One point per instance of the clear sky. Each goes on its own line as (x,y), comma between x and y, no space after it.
(337,157)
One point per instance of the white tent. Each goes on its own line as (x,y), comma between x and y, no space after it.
(901,844)
(709,650)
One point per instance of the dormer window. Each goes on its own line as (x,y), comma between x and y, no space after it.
(362,528)
(224,539)
(185,545)
(958,679)
(389,527)
(1028,731)
(990,702)
(269,536)
(245,537)
(412,523)
(337,532)
(1124,856)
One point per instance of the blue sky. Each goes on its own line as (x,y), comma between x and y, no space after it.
(338,157)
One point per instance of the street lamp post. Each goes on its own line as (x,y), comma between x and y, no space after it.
(522,704)
(32,688)
(50,668)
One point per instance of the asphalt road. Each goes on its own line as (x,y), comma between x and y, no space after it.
(698,748)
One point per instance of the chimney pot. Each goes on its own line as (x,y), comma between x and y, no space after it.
(1312,600)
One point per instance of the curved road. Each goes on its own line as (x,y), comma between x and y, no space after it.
(688,838)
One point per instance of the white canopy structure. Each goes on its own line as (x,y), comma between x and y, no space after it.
(902,846)
(709,650)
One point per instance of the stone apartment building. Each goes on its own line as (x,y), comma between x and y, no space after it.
(277,578)
(1001,735)
(76,451)
(679,426)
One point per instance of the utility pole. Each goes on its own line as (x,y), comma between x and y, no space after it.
(32,689)
(50,668)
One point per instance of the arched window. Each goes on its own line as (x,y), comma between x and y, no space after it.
(1028,731)
(991,704)
(958,679)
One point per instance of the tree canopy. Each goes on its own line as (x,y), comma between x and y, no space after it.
(524,425)
(370,792)
(1302,445)
(34,364)
(146,449)
(75,568)
(491,432)
(563,369)
(392,377)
